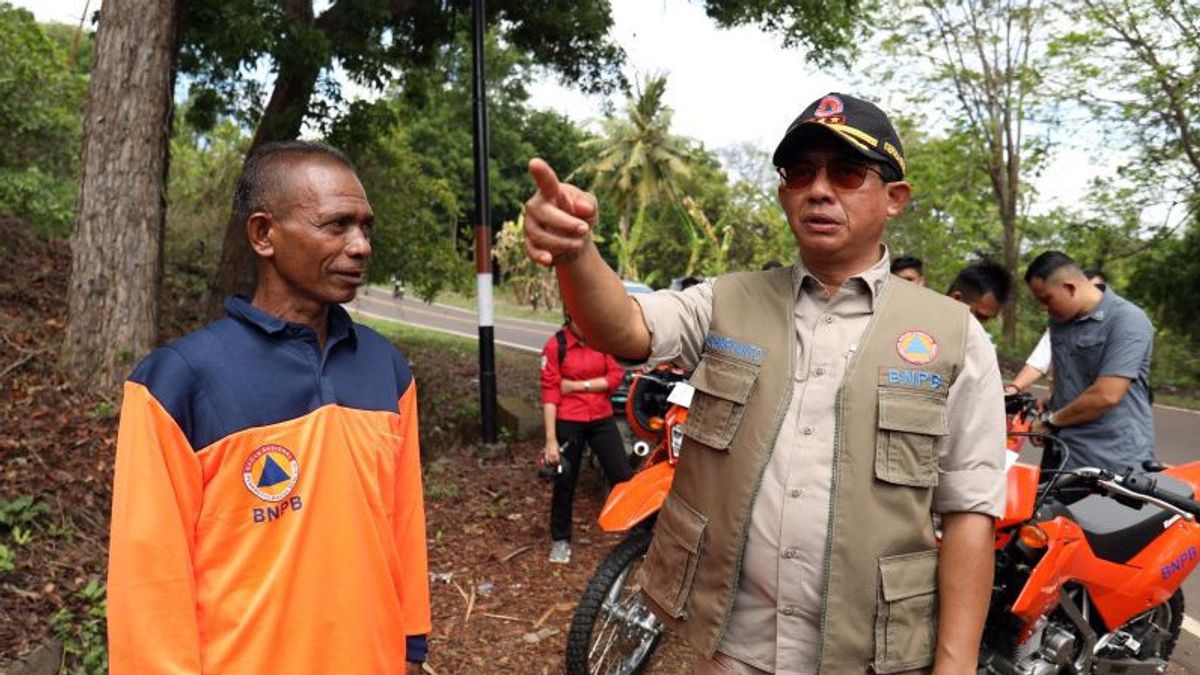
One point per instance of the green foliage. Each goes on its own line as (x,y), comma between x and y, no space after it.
(7,560)
(635,163)
(828,31)
(204,172)
(82,632)
(24,511)
(41,122)
(438,490)
(1145,50)
(952,216)
(414,153)
(416,234)
(225,42)
(1167,283)
(103,410)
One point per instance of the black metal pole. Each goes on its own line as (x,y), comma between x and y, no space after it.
(483,238)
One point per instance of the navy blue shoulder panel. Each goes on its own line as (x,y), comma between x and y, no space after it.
(231,375)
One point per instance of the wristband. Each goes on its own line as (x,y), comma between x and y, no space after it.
(1054,428)
(587,385)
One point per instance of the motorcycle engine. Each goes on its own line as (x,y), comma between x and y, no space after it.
(1046,652)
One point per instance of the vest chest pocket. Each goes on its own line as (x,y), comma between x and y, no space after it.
(723,386)
(906,615)
(910,423)
(671,561)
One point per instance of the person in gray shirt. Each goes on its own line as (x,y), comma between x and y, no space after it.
(1101,345)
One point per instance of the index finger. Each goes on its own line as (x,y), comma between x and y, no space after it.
(545,178)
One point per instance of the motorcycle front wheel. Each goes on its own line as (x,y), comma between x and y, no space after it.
(613,632)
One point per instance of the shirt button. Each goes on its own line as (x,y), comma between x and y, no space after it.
(827,319)
(808,431)
(789,553)
(819,372)
(796,493)
(789,611)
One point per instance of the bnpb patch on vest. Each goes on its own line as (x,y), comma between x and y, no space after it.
(912,378)
(732,347)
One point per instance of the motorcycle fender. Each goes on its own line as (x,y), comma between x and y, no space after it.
(637,499)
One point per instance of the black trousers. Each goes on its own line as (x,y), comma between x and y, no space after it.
(605,441)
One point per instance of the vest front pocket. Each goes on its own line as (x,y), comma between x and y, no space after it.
(906,614)
(723,386)
(910,424)
(670,565)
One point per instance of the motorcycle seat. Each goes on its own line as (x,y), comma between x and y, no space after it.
(1117,532)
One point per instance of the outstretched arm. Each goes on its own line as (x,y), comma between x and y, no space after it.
(558,224)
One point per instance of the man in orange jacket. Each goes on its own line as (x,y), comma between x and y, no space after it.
(267,509)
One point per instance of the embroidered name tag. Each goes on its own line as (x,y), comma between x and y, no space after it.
(727,345)
(913,379)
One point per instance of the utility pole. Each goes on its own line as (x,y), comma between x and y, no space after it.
(483,238)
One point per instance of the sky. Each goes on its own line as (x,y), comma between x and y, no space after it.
(727,87)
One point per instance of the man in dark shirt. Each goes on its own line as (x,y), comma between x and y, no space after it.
(1101,346)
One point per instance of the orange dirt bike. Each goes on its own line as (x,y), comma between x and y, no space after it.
(1089,566)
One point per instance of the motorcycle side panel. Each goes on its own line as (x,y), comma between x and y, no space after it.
(1150,577)
(1118,592)
(637,499)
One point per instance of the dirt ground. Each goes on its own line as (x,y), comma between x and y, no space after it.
(487,516)
(506,511)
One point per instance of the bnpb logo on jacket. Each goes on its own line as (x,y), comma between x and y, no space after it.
(270,472)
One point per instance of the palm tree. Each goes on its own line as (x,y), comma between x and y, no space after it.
(636,162)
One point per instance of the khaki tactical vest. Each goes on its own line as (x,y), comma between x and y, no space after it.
(881,558)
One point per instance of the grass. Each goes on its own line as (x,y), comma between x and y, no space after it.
(405,334)
(1177,400)
(446,368)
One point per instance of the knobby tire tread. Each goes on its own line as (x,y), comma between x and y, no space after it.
(632,548)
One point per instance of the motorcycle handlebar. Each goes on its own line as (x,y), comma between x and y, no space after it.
(1148,485)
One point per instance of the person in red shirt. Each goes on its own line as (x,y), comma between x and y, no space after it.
(576,380)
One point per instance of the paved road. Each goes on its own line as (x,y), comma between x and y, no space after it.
(516,333)
(1177,430)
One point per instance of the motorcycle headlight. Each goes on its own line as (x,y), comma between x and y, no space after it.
(676,439)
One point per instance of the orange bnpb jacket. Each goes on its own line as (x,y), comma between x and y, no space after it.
(267,508)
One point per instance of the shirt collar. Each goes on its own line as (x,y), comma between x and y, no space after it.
(871,279)
(238,307)
(1101,308)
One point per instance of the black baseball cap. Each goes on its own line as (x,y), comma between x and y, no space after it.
(859,124)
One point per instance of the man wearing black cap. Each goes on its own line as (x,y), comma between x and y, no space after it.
(835,410)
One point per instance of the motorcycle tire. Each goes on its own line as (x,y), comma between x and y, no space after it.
(611,613)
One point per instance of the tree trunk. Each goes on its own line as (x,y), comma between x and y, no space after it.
(112,314)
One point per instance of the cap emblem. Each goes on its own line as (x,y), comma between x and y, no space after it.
(829,106)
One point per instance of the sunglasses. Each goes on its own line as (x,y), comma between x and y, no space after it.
(843,174)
